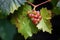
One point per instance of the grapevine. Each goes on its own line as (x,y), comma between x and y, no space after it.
(23,17)
(35,16)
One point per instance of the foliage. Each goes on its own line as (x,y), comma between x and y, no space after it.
(7,30)
(45,24)
(56,11)
(54,2)
(24,25)
(17,12)
(8,6)
(56,7)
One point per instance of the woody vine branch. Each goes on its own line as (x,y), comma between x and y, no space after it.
(35,6)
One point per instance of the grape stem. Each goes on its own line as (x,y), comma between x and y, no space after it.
(35,6)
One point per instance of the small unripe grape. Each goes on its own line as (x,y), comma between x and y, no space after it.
(28,11)
(34,12)
(38,13)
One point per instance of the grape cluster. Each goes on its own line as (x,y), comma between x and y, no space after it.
(35,16)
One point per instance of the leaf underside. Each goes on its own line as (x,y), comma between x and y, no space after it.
(9,6)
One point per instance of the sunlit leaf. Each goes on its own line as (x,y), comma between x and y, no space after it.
(45,13)
(45,24)
(23,23)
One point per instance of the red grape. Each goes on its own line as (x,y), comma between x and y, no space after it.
(35,16)
(38,13)
(31,15)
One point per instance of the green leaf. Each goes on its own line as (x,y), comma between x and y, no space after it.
(8,6)
(44,23)
(23,23)
(7,30)
(45,13)
(58,4)
(56,10)
(54,2)
(31,0)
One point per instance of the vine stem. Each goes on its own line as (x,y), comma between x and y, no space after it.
(35,6)
(30,3)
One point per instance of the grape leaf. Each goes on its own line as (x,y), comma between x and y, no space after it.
(7,30)
(31,1)
(45,13)
(45,24)
(54,2)
(58,4)
(56,10)
(23,23)
(8,6)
